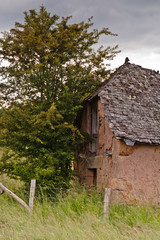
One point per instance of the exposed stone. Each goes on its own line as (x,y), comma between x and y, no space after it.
(120,184)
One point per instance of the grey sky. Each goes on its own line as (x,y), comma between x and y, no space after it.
(135,21)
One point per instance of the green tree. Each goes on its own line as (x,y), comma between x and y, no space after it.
(48,57)
(52,66)
(39,146)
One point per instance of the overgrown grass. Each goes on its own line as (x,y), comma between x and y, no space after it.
(77,215)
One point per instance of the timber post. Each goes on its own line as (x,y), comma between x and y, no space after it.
(31,197)
(106,202)
(14,196)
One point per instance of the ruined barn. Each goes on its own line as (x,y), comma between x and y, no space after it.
(122,119)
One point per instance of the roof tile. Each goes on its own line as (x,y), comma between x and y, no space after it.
(131,102)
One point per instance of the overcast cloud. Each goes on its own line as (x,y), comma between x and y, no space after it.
(135,21)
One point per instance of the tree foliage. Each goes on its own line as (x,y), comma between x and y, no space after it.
(52,66)
(47,57)
(39,146)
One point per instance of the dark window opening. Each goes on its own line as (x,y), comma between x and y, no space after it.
(92,177)
(93,127)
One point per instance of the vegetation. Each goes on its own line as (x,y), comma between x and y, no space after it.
(42,146)
(52,66)
(76,215)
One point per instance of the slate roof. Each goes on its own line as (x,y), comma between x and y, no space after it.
(131,102)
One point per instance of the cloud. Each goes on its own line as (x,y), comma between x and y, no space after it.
(136,22)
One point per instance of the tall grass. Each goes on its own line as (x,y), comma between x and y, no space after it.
(77,215)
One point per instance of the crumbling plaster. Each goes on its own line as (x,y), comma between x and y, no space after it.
(133,172)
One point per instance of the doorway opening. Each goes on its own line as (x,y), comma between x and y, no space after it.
(92,177)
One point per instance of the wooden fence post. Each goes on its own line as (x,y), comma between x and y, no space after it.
(14,196)
(31,197)
(106,202)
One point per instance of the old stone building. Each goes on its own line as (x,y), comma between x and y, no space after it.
(123,120)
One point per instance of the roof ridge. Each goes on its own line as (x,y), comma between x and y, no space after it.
(131,103)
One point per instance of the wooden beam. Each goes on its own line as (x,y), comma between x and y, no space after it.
(15,197)
(31,197)
(106,202)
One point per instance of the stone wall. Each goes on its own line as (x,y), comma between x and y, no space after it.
(133,173)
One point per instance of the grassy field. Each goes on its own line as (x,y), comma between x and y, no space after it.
(75,216)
